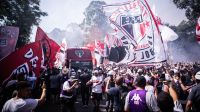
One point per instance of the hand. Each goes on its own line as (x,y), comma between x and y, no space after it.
(96,81)
(180,81)
(43,86)
(109,80)
(89,82)
(75,83)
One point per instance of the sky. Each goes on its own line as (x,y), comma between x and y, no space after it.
(63,12)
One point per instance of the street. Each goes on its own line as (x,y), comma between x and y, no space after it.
(78,106)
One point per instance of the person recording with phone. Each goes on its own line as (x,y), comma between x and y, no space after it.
(68,95)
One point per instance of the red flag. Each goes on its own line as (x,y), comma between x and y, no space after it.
(8,40)
(50,47)
(23,60)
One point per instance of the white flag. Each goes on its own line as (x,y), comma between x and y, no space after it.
(138,31)
(61,55)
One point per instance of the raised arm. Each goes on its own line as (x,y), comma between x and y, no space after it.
(43,95)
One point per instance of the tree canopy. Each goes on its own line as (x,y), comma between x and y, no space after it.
(23,14)
(95,23)
(192,8)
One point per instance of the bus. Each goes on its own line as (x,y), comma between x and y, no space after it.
(79,58)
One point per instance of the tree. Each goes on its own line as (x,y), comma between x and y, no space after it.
(186,29)
(23,14)
(192,8)
(95,23)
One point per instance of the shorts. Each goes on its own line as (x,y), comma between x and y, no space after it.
(97,96)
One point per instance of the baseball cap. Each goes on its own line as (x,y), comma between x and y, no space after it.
(72,77)
(111,72)
(197,76)
(95,71)
(140,70)
(116,69)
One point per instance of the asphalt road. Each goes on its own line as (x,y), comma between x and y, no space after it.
(50,107)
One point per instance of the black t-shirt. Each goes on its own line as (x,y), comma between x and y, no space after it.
(165,102)
(111,84)
(180,93)
(194,96)
(64,78)
(84,78)
(123,91)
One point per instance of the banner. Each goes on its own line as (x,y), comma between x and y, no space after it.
(50,47)
(8,40)
(138,31)
(198,30)
(25,59)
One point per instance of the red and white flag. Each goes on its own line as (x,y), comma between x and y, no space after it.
(50,47)
(99,52)
(111,40)
(198,30)
(99,47)
(61,55)
(8,40)
(23,60)
(138,30)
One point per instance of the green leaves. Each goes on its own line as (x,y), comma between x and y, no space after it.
(23,14)
(192,8)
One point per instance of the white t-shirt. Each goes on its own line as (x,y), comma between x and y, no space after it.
(149,88)
(20,105)
(66,86)
(96,87)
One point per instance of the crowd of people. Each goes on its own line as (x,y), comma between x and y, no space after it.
(169,88)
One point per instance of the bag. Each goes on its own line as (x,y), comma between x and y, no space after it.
(178,107)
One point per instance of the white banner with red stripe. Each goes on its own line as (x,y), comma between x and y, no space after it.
(136,26)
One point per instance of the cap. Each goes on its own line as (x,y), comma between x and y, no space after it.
(111,72)
(116,69)
(122,71)
(79,70)
(140,70)
(95,71)
(73,73)
(72,77)
(197,76)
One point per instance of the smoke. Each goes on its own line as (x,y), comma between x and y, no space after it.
(179,49)
(73,34)
(94,27)
(183,51)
